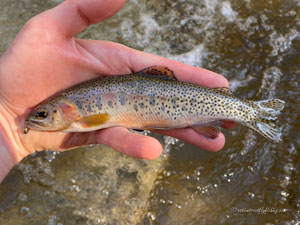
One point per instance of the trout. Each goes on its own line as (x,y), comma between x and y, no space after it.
(152,99)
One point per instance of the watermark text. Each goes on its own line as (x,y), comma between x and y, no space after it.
(260,210)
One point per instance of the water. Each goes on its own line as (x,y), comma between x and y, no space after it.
(255,44)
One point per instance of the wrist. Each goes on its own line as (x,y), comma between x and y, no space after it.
(11,150)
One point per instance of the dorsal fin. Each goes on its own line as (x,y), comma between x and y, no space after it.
(158,71)
(225,90)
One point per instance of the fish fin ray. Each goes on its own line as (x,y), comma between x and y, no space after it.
(271,107)
(264,124)
(93,120)
(208,130)
(267,129)
(158,71)
(225,90)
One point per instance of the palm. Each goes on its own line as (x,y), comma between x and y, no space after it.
(43,61)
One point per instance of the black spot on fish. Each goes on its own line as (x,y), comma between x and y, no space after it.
(99,103)
(79,104)
(122,99)
(89,109)
(132,84)
(110,104)
(135,107)
(152,101)
(142,105)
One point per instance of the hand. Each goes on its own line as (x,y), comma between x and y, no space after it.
(46,58)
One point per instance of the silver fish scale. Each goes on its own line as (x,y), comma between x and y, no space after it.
(149,99)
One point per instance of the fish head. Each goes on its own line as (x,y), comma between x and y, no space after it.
(51,117)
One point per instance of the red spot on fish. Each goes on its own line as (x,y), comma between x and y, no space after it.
(70,111)
(109,96)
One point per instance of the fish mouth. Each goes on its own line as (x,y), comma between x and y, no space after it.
(34,124)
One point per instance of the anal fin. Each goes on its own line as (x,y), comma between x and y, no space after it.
(207,130)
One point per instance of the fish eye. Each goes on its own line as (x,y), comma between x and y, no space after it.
(41,114)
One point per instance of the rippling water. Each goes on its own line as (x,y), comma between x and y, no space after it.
(254,44)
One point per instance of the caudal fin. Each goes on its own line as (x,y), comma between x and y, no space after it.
(264,124)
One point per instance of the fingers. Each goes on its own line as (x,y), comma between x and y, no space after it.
(73,16)
(183,72)
(133,60)
(118,138)
(190,136)
(140,146)
(132,144)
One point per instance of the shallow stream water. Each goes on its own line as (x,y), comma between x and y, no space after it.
(256,45)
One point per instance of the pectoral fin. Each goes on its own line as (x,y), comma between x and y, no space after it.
(158,71)
(93,120)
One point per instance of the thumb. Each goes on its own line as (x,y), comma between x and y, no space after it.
(73,16)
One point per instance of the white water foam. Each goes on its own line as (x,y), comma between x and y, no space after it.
(193,57)
(228,12)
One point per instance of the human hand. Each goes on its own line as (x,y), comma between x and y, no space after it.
(46,58)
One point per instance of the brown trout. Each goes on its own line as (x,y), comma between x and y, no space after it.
(151,99)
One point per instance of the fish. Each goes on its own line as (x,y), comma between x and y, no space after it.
(152,99)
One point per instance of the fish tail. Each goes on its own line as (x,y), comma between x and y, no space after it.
(264,123)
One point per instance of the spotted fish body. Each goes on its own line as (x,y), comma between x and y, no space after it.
(151,99)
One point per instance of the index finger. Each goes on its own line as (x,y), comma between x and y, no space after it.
(183,72)
(118,59)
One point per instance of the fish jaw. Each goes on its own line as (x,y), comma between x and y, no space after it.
(32,124)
